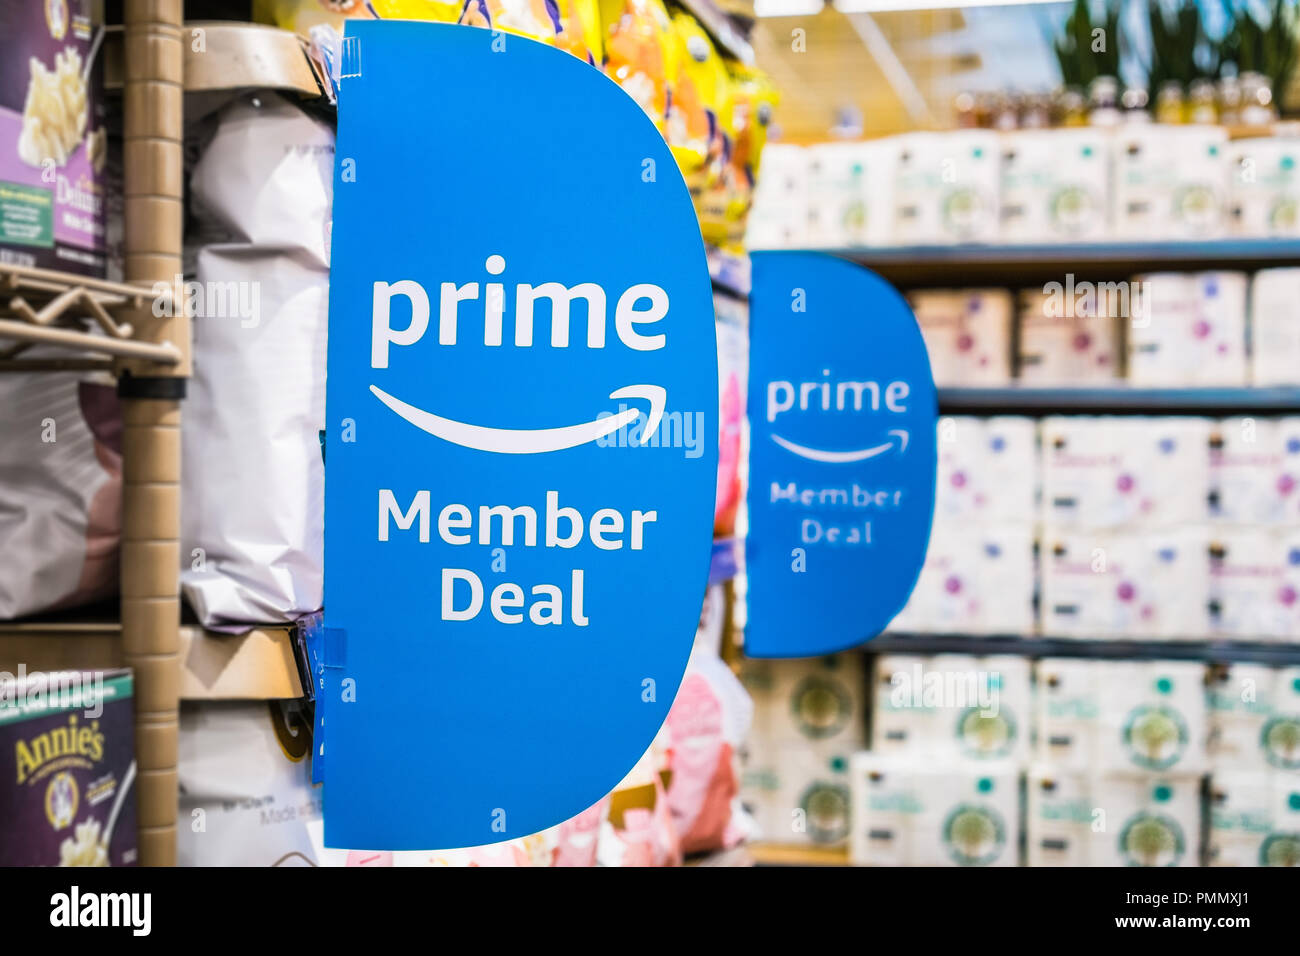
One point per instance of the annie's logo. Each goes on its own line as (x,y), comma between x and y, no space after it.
(74,740)
(630,315)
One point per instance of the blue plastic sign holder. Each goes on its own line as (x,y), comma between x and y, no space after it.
(842,417)
(518,503)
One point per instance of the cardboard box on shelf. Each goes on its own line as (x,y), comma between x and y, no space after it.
(53,138)
(67,762)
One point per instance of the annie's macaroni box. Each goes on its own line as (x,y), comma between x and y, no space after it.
(53,140)
(67,769)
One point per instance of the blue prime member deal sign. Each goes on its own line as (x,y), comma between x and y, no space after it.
(518,510)
(842,416)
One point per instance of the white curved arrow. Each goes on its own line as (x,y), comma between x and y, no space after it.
(832,457)
(531,441)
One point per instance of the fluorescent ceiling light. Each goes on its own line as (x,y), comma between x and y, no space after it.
(885,6)
(788,8)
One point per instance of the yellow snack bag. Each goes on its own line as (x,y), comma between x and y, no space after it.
(637,36)
(435,11)
(580,30)
(752,100)
(719,187)
(689,125)
(301,15)
(538,19)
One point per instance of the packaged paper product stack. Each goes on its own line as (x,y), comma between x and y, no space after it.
(779,219)
(978,576)
(1275,327)
(1254,550)
(1264,186)
(907,812)
(252,455)
(946,187)
(1121,716)
(1069,335)
(1192,330)
(950,708)
(1125,529)
(1254,751)
(1077,819)
(808,721)
(1119,757)
(848,202)
(1171,182)
(1254,820)
(967,335)
(1055,185)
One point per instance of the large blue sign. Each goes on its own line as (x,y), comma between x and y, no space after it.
(842,455)
(519,502)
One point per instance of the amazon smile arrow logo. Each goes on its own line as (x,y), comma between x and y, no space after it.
(842,457)
(532,441)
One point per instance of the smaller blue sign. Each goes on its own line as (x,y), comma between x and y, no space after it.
(842,413)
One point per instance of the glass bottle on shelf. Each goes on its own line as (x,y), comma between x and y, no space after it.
(1037,112)
(1169,102)
(1229,101)
(1103,102)
(1072,107)
(1201,107)
(1257,107)
(984,110)
(1006,113)
(1135,104)
(964,107)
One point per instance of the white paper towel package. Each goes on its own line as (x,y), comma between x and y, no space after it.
(253,475)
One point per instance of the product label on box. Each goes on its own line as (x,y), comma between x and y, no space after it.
(842,455)
(67,751)
(53,140)
(521,471)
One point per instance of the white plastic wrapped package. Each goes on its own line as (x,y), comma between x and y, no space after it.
(246,797)
(253,489)
(60,491)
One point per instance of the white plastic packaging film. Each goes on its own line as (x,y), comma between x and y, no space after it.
(60,491)
(253,474)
